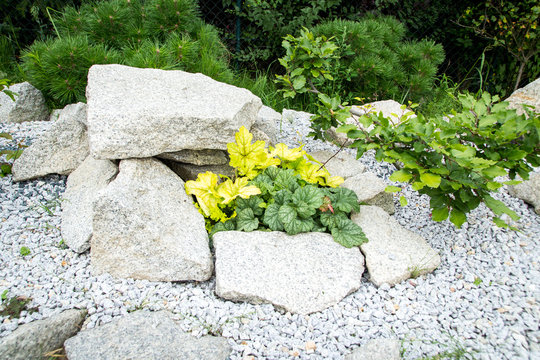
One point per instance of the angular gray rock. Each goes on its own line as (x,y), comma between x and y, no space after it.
(528,191)
(37,338)
(390,109)
(378,349)
(55,114)
(266,121)
(370,190)
(528,95)
(29,105)
(82,187)
(197,157)
(144,335)
(190,172)
(140,113)
(58,151)
(342,164)
(302,274)
(145,226)
(393,253)
(76,111)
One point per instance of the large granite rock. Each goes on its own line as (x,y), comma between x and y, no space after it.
(378,349)
(197,157)
(145,226)
(266,121)
(302,274)
(390,109)
(82,187)
(340,164)
(136,112)
(144,335)
(58,151)
(393,253)
(528,95)
(29,105)
(528,191)
(37,338)
(370,190)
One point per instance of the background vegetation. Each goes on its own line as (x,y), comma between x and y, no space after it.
(477,39)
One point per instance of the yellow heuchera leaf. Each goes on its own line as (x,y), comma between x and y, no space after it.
(284,153)
(333,181)
(230,191)
(205,190)
(310,172)
(249,159)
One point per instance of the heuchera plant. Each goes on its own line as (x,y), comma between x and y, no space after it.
(276,189)
(456,160)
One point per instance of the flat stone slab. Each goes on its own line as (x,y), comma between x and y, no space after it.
(266,121)
(378,349)
(37,338)
(393,253)
(370,190)
(304,273)
(58,151)
(145,226)
(141,113)
(197,157)
(82,188)
(144,335)
(190,171)
(340,164)
(29,105)
(528,191)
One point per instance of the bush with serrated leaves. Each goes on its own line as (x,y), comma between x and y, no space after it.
(278,190)
(456,159)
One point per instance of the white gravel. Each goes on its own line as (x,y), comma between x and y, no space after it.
(484,297)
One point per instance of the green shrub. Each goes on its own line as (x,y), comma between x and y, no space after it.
(373,60)
(265,23)
(5,166)
(455,160)
(164,34)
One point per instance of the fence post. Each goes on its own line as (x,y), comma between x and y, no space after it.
(238,31)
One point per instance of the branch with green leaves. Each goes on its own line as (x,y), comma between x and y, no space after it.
(458,160)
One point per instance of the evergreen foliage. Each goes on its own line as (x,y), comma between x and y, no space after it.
(164,34)
(265,23)
(375,62)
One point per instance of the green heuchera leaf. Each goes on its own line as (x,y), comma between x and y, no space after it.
(246,221)
(271,218)
(348,234)
(344,200)
(228,225)
(283,197)
(286,179)
(307,200)
(253,202)
(297,226)
(332,220)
